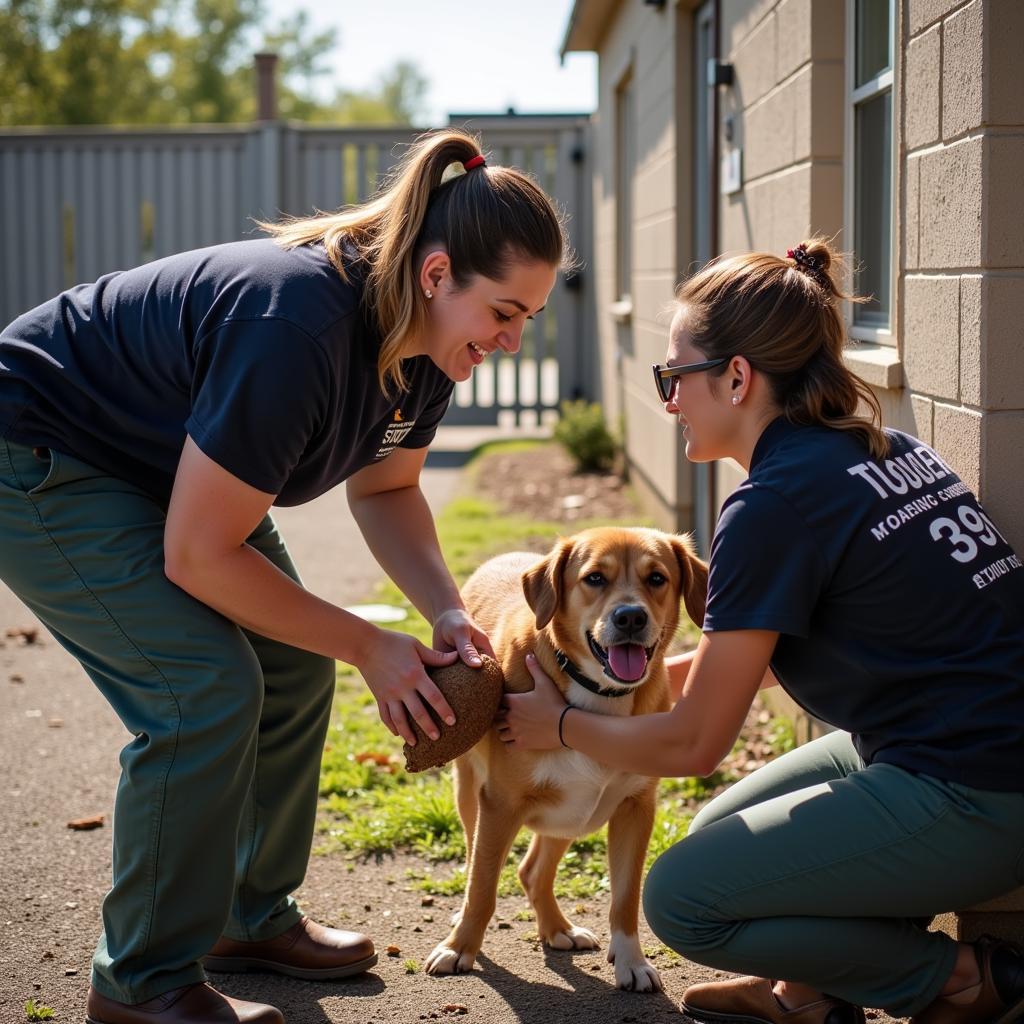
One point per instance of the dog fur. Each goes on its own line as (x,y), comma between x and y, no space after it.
(579,590)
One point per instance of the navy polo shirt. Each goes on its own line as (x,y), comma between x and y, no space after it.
(900,606)
(263,355)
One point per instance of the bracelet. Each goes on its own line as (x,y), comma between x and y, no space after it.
(561,718)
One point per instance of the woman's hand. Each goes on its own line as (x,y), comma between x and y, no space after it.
(529,721)
(455,630)
(393,668)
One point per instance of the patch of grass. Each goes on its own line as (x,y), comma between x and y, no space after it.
(667,957)
(412,966)
(781,735)
(37,1011)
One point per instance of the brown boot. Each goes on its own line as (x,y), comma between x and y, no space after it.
(193,1004)
(1000,993)
(306,950)
(750,1000)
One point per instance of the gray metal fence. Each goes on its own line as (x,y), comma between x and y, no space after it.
(77,203)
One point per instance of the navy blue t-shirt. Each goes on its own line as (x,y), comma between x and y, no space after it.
(263,355)
(900,606)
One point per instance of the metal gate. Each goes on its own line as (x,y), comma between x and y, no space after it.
(78,203)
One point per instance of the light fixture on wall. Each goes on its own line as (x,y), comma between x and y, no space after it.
(720,72)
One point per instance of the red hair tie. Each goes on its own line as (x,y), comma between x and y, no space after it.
(476,161)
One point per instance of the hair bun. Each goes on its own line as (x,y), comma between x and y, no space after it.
(813,258)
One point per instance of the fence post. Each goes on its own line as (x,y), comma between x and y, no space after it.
(267,139)
(266,87)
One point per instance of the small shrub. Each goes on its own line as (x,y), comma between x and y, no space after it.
(37,1011)
(584,434)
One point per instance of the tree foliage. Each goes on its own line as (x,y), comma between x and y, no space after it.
(68,62)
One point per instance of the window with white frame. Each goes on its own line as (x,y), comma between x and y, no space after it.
(625,165)
(869,163)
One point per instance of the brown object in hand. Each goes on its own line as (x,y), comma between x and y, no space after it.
(474,695)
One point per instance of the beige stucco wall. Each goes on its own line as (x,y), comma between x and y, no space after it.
(646,39)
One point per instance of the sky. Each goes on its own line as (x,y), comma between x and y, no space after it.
(479,56)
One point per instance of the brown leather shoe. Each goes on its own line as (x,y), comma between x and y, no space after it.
(1000,997)
(752,1000)
(306,950)
(193,1004)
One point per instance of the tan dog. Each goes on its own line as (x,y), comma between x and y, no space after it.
(598,612)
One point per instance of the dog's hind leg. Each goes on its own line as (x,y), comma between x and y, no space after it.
(629,831)
(537,875)
(496,828)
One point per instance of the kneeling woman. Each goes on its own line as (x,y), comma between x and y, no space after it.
(856,569)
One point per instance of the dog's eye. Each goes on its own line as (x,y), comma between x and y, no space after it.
(594,579)
(656,580)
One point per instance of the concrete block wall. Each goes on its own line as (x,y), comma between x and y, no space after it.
(786,111)
(962,332)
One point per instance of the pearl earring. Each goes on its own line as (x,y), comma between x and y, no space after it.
(735,399)
(429,294)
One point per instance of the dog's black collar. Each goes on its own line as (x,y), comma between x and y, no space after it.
(573,672)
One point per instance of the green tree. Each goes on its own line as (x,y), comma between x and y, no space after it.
(172,62)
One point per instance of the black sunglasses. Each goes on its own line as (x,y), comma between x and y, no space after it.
(664,375)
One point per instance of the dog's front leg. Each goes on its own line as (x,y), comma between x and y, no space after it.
(496,827)
(629,831)
(537,876)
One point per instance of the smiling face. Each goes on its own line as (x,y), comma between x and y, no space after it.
(610,598)
(465,326)
(702,406)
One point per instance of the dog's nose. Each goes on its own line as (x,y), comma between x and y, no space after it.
(630,618)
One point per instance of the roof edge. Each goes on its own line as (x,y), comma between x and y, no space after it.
(588,23)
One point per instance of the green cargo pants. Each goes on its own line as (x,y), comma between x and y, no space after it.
(215,808)
(812,868)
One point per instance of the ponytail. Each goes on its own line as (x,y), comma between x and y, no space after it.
(783,316)
(486,219)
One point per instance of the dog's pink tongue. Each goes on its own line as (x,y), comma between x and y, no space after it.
(627,661)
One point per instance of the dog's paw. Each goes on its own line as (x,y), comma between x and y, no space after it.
(574,938)
(445,960)
(633,971)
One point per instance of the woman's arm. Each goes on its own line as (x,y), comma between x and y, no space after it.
(678,666)
(395,519)
(211,514)
(692,739)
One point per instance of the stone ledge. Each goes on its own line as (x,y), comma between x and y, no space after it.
(877,365)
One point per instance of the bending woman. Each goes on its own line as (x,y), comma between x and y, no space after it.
(854,567)
(147,424)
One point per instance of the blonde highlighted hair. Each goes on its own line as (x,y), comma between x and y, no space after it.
(783,316)
(486,219)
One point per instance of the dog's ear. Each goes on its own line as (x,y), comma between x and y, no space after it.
(543,583)
(695,577)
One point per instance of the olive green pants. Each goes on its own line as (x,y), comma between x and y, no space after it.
(215,808)
(812,868)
